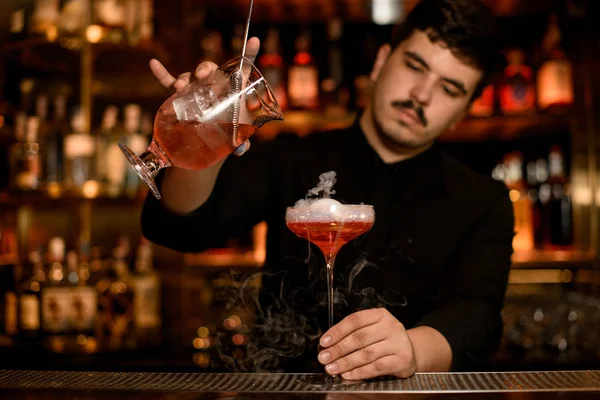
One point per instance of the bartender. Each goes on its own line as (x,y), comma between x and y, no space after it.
(423,290)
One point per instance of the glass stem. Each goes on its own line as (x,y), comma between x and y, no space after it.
(155,159)
(330,300)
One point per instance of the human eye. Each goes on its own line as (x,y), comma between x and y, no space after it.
(450,92)
(413,66)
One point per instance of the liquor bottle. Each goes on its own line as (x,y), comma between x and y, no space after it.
(554,78)
(145,283)
(8,303)
(334,93)
(303,76)
(45,16)
(80,149)
(560,205)
(25,157)
(54,144)
(517,91)
(8,276)
(272,66)
(102,277)
(523,239)
(16,154)
(483,106)
(146,11)
(56,297)
(41,111)
(109,17)
(539,195)
(136,141)
(29,297)
(121,302)
(20,20)
(83,299)
(71,19)
(105,137)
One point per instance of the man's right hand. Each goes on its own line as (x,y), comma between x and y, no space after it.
(202,71)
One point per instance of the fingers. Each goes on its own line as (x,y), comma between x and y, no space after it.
(383,366)
(354,342)
(364,356)
(242,148)
(352,323)
(204,69)
(182,81)
(161,73)
(252,48)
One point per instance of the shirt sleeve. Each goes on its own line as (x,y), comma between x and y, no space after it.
(467,310)
(240,199)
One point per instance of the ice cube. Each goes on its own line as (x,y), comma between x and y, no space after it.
(192,106)
(329,207)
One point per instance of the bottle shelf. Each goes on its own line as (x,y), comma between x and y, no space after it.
(470,129)
(225,258)
(40,198)
(551,259)
(507,127)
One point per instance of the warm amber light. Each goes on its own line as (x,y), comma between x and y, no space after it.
(238,339)
(91,189)
(93,33)
(81,340)
(203,332)
(53,190)
(51,33)
(198,343)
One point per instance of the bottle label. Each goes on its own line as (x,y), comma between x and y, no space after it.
(30,312)
(303,86)
(79,145)
(84,304)
(55,309)
(137,143)
(10,316)
(146,301)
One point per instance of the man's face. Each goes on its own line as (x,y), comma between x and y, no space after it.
(421,90)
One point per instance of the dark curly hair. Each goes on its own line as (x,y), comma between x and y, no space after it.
(466,27)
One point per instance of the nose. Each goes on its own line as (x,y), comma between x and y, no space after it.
(423,91)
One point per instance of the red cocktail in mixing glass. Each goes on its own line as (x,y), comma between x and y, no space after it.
(205,122)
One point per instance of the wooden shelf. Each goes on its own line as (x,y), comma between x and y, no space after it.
(499,127)
(47,197)
(506,127)
(303,123)
(224,258)
(553,259)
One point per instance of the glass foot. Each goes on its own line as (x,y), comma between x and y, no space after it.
(141,169)
(324,381)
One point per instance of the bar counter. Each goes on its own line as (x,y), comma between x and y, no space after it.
(28,384)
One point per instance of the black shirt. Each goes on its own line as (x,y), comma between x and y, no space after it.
(438,254)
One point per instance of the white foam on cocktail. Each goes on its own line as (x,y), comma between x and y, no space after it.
(327,210)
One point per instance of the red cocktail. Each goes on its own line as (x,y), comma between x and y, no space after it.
(329,225)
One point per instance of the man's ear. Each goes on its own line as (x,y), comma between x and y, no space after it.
(382,55)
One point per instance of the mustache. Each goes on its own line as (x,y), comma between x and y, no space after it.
(411,105)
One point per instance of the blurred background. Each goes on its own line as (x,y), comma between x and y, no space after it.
(80,288)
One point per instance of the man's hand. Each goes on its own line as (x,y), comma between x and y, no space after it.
(202,71)
(367,344)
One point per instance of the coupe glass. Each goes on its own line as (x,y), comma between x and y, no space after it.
(206,121)
(329,228)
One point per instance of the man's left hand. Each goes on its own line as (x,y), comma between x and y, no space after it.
(367,344)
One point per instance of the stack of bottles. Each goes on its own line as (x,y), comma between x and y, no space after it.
(57,155)
(542,200)
(81,302)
